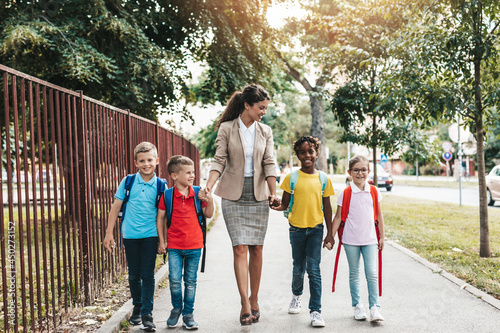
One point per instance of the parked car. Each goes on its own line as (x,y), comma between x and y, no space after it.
(384,178)
(493,186)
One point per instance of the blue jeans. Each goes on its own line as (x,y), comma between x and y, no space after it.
(177,260)
(369,253)
(141,259)
(306,254)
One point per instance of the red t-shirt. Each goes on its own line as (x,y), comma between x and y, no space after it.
(184,232)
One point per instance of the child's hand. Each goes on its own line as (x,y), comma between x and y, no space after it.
(109,242)
(381,244)
(329,242)
(205,195)
(162,248)
(274,201)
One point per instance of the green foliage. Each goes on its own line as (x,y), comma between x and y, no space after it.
(133,54)
(366,112)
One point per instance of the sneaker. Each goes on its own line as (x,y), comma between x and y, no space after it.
(147,323)
(173,320)
(316,319)
(189,322)
(375,314)
(359,312)
(294,306)
(135,319)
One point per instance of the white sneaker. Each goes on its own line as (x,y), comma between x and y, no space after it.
(359,312)
(316,319)
(375,314)
(294,306)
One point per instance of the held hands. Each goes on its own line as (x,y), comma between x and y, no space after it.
(274,201)
(205,195)
(162,248)
(329,242)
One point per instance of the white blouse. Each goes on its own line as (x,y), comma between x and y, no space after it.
(248,135)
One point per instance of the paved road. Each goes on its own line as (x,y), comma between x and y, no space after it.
(470,196)
(416,298)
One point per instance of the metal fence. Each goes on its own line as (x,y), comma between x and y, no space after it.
(63,156)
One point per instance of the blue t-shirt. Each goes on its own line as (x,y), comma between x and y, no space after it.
(140,215)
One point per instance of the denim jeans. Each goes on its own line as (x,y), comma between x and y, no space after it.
(177,260)
(369,253)
(141,258)
(306,254)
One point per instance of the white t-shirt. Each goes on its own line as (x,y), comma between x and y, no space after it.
(359,226)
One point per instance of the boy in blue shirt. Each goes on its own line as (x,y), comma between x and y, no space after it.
(140,235)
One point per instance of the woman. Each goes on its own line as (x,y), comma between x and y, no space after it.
(244,161)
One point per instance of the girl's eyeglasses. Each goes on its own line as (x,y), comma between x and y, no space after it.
(359,170)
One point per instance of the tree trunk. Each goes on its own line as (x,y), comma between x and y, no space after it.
(484,233)
(318,129)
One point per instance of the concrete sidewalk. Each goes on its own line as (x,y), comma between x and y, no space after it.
(417,295)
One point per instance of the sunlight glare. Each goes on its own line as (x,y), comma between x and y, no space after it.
(277,14)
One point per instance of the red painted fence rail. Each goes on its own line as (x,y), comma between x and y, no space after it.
(63,155)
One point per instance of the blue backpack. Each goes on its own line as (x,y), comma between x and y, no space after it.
(169,201)
(294,176)
(161,185)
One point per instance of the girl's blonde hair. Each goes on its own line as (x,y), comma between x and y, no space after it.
(356,159)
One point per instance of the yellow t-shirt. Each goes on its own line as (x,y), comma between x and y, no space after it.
(307,201)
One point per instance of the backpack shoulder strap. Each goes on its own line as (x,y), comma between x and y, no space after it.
(129,181)
(323,177)
(203,224)
(294,176)
(346,202)
(374,193)
(168,197)
(161,185)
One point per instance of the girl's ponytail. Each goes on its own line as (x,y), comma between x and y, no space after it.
(251,94)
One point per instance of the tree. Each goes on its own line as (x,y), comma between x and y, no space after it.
(443,55)
(133,54)
(362,108)
(309,64)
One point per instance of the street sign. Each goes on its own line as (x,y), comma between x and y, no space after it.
(383,158)
(447,146)
(447,156)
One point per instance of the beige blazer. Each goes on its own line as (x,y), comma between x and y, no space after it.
(229,160)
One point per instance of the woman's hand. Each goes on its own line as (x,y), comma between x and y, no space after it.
(274,201)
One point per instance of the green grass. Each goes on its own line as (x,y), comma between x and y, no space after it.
(447,235)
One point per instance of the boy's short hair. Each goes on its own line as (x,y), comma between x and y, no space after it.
(313,141)
(175,162)
(356,159)
(144,147)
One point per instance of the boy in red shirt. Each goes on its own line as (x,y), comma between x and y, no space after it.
(184,239)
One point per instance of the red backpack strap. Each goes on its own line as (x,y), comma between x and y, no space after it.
(346,202)
(374,193)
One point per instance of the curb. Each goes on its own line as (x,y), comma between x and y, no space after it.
(113,324)
(436,269)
